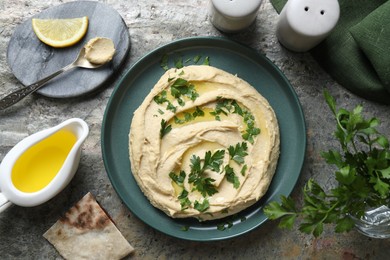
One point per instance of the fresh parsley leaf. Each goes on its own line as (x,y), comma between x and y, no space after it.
(183,197)
(213,161)
(275,210)
(182,87)
(232,177)
(238,152)
(221,226)
(243,169)
(161,99)
(198,112)
(344,224)
(178,178)
(197,176)
(179,62)
(185,202)
(165,128)
(197,58)
(204,185)
(202,207)
(164,62)
(189,116)
(185,228)
(251,131)
(206,61)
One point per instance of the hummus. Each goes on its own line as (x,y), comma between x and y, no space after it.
(99,50)
(204,143)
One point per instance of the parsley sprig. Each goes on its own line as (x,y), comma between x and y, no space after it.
(238,152)
(231,176)
(197,176)
(363,177)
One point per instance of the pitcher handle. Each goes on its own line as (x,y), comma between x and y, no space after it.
(4,202)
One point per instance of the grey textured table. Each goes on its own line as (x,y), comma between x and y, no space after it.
(153,23)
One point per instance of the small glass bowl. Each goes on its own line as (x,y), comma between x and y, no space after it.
(374,223)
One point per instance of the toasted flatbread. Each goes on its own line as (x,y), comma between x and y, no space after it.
(86,232)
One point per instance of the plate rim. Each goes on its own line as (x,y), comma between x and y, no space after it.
(219,41)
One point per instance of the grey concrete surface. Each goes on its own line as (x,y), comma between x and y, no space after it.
(151,24)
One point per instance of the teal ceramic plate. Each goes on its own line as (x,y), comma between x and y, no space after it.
(236,59)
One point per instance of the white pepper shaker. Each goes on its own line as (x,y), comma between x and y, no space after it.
(305,23)
(233,15)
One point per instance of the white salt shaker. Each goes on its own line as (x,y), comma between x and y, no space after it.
(233,15)
(305,23)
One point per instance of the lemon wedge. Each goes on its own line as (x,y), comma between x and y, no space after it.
(60,32)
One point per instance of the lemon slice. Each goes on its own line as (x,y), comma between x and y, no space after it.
(60,32)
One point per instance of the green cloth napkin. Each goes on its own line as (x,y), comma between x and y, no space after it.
(357,52)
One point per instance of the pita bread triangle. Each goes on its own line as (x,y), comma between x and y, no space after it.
(86,232)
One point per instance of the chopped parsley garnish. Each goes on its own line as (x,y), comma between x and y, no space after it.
(185,228)
(223,226)
(164,62)
(251,130)
(197,177)
(189,116)
(223,107)
(165,128)
(184,200)
(226,106)
(238,152)
(197,58)
(162,98)
(206,61)
(243,169)
(203,184)
(183,197)
(231,176)
(198,112)
(182,87)
(201,207)
(178,178)
(179,88)
(179,62)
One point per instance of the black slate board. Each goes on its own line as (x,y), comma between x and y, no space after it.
(31,60)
